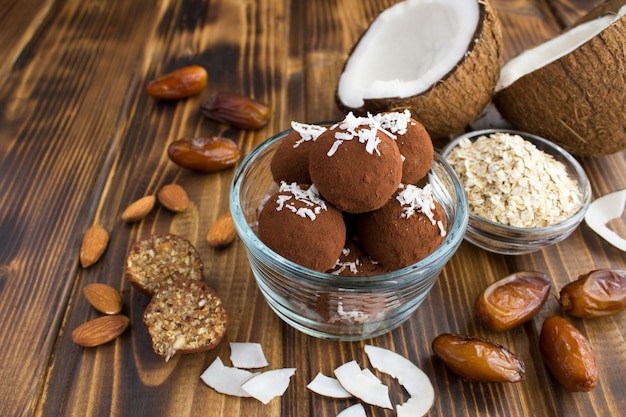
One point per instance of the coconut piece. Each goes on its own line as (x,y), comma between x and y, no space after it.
(413,407)
(440,60)
(328,387)
(413,379)
(371,375)
(225,379)
(247,355)
(268,384)
(604,209)
(362,386)
(355,410)
(570,89)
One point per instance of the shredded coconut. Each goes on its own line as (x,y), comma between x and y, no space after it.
(414,199)
(307,132)
(508,180)
(365,129)
(310,197)
(395,122)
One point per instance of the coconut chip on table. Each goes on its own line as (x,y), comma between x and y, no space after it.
(363,384)
(605,210)
(263,386)
(247,355)
(351,381)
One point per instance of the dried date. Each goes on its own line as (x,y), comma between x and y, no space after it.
(479,360)
(180,83)
(204,154)
(512,300)
(568,355)
(237,111)
(598,293)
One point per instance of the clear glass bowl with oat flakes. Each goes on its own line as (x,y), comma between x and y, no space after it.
(524,192)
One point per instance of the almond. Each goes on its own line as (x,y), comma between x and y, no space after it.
(93,245)
(100,331)
(103,298)
(222,233)
(138,209)
(173,197)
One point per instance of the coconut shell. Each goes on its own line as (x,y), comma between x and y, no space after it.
(579,100)
(460,96)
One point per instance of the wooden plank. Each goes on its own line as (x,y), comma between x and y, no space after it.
(20,22)
(240,44)
(82,141)
(60,120)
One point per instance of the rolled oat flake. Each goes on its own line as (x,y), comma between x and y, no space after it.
(508,180)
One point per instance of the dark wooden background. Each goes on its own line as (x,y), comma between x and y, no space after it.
(80,140)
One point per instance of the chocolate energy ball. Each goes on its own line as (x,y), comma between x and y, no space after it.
(414,142)
(355,166)
(290,163)
(355,262)
(299,225)
(405,230)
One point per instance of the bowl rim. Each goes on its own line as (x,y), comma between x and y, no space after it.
(446,249)
(581,178)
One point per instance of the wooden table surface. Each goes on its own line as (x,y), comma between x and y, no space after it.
(80,140)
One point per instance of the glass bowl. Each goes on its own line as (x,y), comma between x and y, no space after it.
(331,306)
(508,240)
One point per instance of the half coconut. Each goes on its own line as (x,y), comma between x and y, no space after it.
(572,89)
(439,59)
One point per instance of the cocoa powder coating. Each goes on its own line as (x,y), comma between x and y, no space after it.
(396,241)
(352,178)
(294,229)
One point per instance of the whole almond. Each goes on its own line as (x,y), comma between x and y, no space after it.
(138,209)
(222,233)
(100,331)
(173,197)
(94,243)
(103,298)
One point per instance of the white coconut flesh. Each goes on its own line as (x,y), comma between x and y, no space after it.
(407,49)
(356,410)
(534,58)
(225,379)
(603,210)
(328,387)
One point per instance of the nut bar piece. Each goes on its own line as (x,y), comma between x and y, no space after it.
(185,317)
(160,260)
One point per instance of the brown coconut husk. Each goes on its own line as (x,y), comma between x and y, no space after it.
(579,100)
(461,95)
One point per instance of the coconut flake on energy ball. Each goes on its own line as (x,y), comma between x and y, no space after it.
(298,224)
(570,89)
(355,165)
(405,230)
(439,59)
(290,163)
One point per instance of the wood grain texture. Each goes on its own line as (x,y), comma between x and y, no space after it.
(80,140)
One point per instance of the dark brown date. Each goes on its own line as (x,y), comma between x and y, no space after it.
(180,83)
(237,111)
(479,360)
(598,293)
(204,154)
(568,355)
(512,300)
